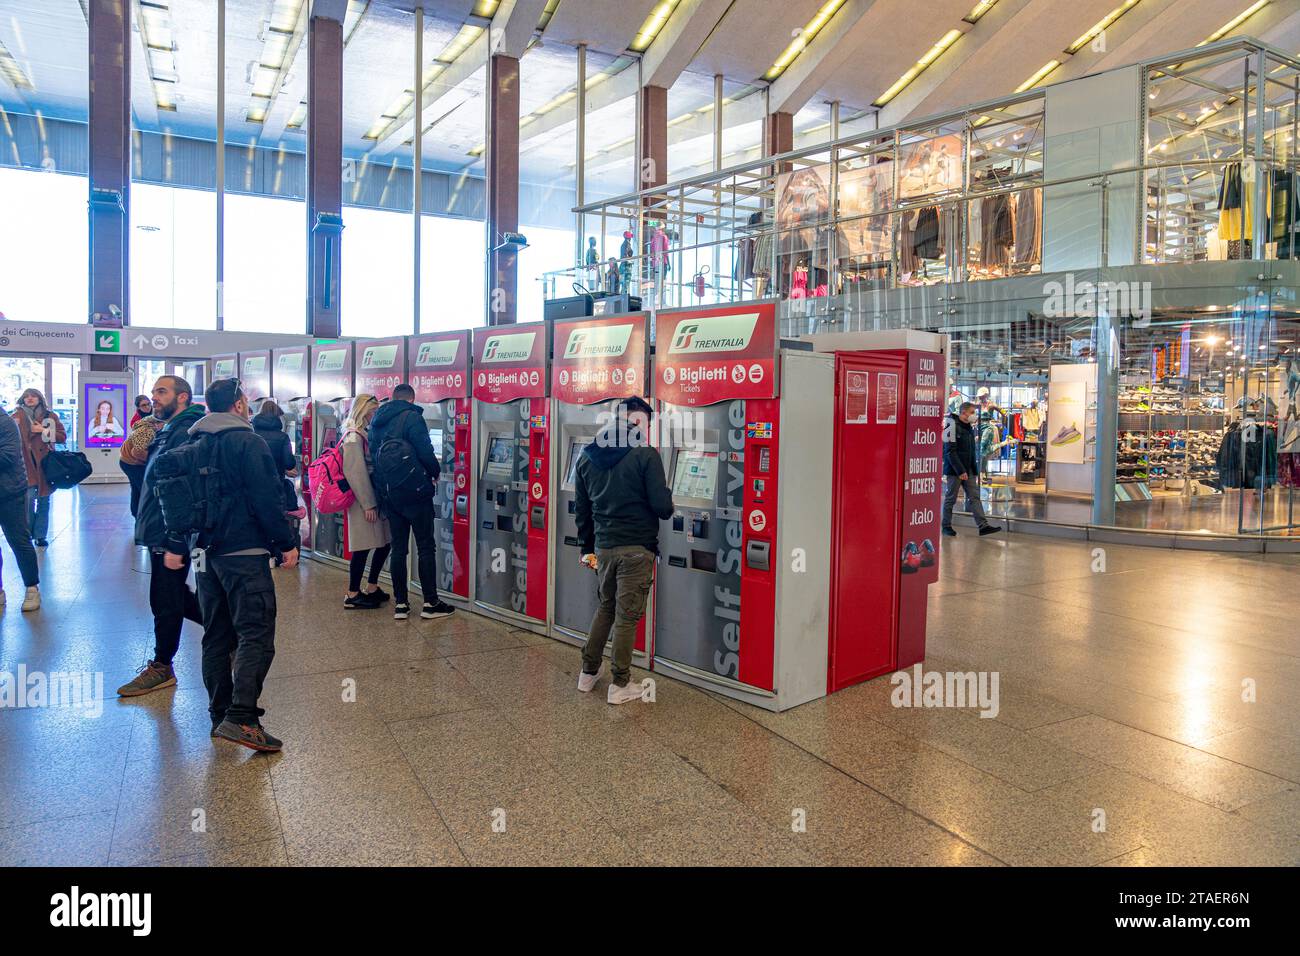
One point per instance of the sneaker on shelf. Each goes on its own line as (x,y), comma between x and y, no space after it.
(401,612)
(436,610)
(587,681)
(154,676)
(990,529)
(32,599)
(252,736)
(361,602)
(623,695)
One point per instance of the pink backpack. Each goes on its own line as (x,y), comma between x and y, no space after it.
(329,492)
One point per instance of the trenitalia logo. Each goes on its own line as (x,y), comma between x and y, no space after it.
(516,347)
(602,341)
(438,353)
(330,360)
(717,333)
(379,356)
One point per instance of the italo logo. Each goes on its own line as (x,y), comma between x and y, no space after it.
(717,333)
(516,347)
(439,353)
(604,341)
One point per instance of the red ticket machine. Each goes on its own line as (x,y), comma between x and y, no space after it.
(381,366)
(439,373)
(512,472)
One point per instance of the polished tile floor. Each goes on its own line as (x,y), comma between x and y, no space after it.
(1122,737)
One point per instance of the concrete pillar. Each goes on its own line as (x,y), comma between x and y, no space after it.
(324,176)
(502,162)
(109,49)
(778,133)
(652,164)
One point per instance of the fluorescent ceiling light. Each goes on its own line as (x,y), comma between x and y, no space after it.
(545,20)
(805,37)
(1235,22)
(652,25)
(12,72)
(947,40)
(981,8)
(1040,75)
(1100,26)
(486,8)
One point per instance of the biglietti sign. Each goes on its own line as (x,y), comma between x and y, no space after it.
(716,355)
(510,365)
(599,359)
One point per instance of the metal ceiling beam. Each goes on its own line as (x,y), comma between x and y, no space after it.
(828,52)
(331,9)
(680,40)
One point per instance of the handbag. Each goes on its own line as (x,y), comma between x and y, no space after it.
(66,469)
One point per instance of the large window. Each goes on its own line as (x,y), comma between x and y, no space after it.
(43,150)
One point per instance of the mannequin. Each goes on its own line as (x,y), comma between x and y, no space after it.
(625,254)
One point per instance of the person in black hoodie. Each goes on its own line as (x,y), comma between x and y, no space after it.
(961,469)
(170,599)
(269,425)
(622,495)
(236,590)
(401,418)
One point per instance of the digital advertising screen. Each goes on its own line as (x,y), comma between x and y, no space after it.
(105,407)
(695,475)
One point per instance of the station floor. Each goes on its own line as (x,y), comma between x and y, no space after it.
(1121,737)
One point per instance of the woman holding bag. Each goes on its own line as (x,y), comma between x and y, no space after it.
(367,529)
(41,430)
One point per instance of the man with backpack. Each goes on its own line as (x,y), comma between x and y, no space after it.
(170,599)
(225,487)
(405,475)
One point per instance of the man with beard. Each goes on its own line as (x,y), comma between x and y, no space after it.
(170,598)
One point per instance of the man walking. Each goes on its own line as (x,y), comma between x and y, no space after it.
(622,495)
(961,469)
(236,590)
(406,472)
(170,599)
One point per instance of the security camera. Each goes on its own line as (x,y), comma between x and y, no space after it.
(514,240)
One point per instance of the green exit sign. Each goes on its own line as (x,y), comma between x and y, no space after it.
(106,341)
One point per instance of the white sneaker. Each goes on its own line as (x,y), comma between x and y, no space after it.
(623,695)
(587,681)
(32,600)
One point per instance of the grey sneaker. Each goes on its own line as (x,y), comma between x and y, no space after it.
(252,736)
(155,676)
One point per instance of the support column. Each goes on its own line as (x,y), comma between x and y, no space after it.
(324,176)
(652,164)
(109,49)
(502,187)
(1106,429)
(778,133)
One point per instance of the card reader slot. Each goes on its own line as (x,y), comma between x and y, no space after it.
(704,560)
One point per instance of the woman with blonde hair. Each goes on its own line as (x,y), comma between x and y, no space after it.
(367,529)
(41,430)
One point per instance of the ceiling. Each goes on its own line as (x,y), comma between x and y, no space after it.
(860,52)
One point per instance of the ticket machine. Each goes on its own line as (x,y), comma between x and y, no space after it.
(255,376)
(512,473)
(224,366)
(439,373)
(381,366)
(595,363)
(332,393)
(291,389)
(766,474)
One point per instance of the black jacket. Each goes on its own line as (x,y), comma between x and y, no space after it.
(622,494)
(13,467)
(150,530)
(271,430)
(959,453)
(406,420)
(254,518)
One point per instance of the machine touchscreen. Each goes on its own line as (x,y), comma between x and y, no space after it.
(695,475)
(576,446)
(500,457)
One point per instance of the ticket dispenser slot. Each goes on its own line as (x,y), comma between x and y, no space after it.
(757,555)
(537,516)
(462,506)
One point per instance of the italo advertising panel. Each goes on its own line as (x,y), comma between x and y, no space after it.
(599,360)
(707,356)
(289,378)
(510,362)
(106,407)
(331,370)
(255,374)
(381,366)
(439,365)
(225,366)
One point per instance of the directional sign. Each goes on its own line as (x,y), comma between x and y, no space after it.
(108,341)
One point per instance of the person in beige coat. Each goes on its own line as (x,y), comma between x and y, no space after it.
(368,534)
(41,430)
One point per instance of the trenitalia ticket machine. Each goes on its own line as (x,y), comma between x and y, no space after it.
(332,393)
(595,363)
(381,366)
(439,373)
(771,510)
(512,473)
(224,366)
(291,389)
(255,376)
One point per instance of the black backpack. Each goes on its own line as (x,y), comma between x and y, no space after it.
(66,469)
(399,477)
(187,481)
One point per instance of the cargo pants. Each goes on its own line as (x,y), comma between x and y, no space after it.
(623,578)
